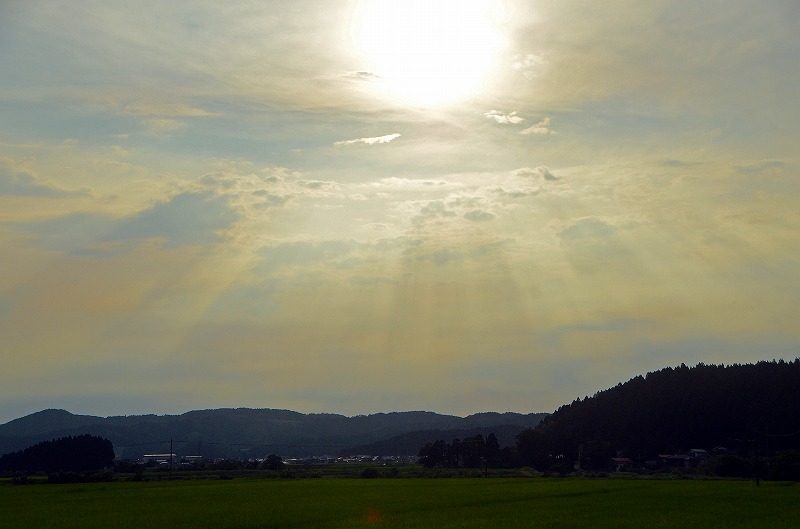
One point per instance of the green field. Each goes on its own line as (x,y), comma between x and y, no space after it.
(411,503)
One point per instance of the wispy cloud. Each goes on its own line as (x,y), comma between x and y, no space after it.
(477,215)
(672,162)
(370,141)
(21,182)
(363,75)
(587,228)
(543,127)
(541,172)
(174,109)
(760,167)
(504,119)
(186,219)
(527,64)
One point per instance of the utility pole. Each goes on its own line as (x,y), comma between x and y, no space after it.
(766,448)
(755,463)
(170,459)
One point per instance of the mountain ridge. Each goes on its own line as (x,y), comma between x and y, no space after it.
(244,432)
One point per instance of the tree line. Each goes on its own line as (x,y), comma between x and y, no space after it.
(471,452)
(82,453)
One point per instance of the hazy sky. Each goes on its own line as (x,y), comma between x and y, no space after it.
(370,206)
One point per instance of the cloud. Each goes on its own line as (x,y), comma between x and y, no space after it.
(556,337)
(527,64)
(318,184)
(343,259)
(540,172)
(367,76)
(163,118)
(436,209)
(186,219)
(75,234)
(442,256)
(677,163)
(269,188)
(543,127)
(20,182)
(760,167)
(504,119)
(176,109)
(164,125)
(269,200)
(370,141)
(587,228)
(510,194)
(395,182)
(305,253)
(477,215)
(595,245)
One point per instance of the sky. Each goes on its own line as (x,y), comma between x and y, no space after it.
(367,206)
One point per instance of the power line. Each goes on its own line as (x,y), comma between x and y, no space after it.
(251,445)
(765,434)
(784,434)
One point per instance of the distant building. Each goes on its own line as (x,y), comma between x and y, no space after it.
(159,458)
(621,464)
(674,460)
(191,460)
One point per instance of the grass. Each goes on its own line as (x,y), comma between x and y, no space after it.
(406,503)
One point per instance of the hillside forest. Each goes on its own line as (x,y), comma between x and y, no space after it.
(741,415)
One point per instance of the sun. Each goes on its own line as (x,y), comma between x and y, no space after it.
(428,52)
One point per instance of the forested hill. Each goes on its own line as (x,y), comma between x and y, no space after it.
(242,432)
(673,409)
(84,453)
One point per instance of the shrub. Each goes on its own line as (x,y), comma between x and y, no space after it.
(369,473)
(731,466)
(786,466)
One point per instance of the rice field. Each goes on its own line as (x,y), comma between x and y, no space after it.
(404,503)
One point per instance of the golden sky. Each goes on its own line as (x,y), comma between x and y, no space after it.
(368,205)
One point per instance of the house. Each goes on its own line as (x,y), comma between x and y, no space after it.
(674,460)
(620,464)
(699,454)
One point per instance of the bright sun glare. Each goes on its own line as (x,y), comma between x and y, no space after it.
(429,52)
